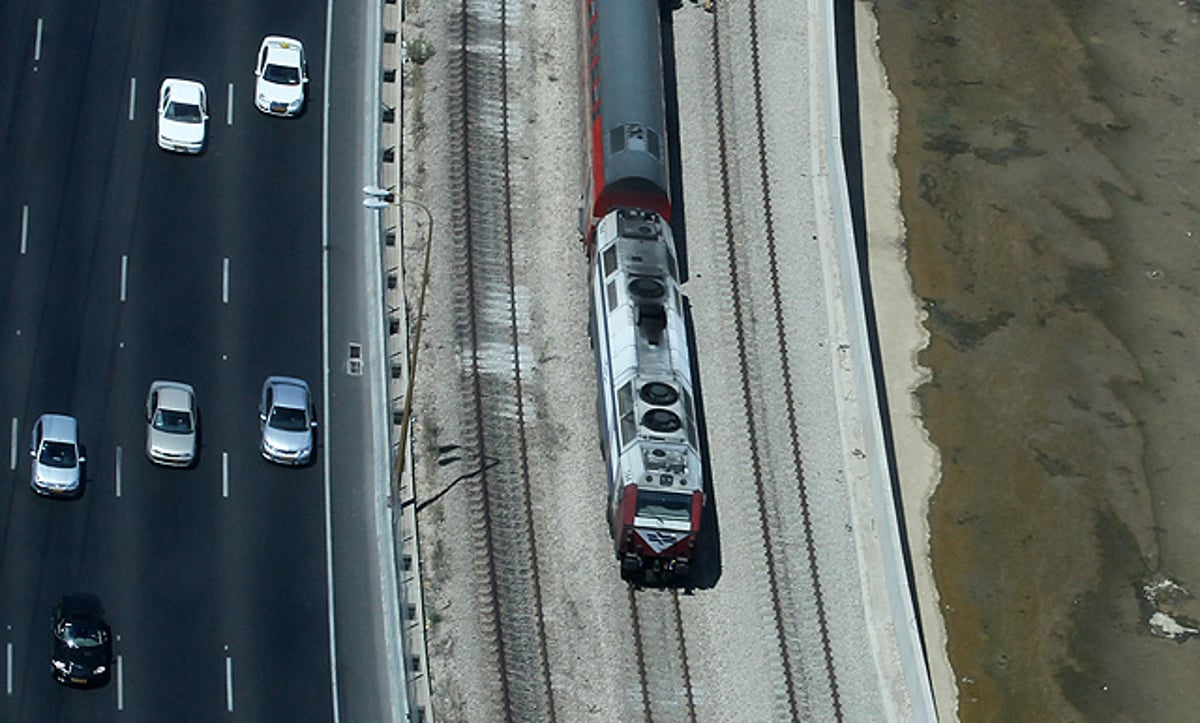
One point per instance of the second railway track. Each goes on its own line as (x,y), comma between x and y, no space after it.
(766,377)
(509,589)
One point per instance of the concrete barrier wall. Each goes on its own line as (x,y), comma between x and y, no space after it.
(900,595)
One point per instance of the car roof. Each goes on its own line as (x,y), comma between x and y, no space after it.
(173,395)
(59,427)
(283,51)
(81,603)
(184,91)
(289,391)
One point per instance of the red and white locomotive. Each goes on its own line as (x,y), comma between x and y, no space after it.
(646,408)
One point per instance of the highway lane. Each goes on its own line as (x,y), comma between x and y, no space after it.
(62,286)
(214,577)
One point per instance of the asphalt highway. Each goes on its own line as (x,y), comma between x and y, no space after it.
(120,264)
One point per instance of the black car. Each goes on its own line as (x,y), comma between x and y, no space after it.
(82,642)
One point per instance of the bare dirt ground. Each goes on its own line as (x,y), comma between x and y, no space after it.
(1049,156)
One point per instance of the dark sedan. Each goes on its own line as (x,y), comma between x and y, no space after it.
(82,642)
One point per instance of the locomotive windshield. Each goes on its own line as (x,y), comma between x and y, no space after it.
(664,505)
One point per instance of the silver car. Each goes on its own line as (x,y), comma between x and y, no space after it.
(57,456)
(171,423)
(288,419)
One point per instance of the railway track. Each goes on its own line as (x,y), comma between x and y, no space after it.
(664,676)
(509,592)
(515,680)
(768,389)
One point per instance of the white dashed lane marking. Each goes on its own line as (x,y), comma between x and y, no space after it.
(24,228)
(228,682)
(12,461)
(120,682)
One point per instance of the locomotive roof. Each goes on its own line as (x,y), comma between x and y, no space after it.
(637,249)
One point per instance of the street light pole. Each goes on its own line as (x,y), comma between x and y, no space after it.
(379,198)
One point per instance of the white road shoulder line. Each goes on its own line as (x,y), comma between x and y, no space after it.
(325,472)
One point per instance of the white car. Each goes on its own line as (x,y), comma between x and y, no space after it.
(171,423)
(282,76)
(57,456)
(182,115)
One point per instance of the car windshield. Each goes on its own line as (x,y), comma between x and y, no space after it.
(289,419)
(281,74)
(664,505)
(183,112)
(80,635)
(57,454)
(173,421)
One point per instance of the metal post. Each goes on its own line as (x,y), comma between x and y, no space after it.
(405,418)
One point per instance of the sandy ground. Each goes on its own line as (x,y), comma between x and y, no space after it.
(902,336)
(1047,160)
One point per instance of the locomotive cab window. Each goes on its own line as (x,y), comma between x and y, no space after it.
(690,417)
(626,415)
(609,260)
(608,264)
(664,505)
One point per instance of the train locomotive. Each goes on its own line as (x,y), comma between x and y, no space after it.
(646,409)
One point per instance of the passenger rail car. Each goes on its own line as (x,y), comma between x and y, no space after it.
(626,114)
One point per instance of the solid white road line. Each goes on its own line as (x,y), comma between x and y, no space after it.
(124,273)
(132,95)
(228,683)
(117,472)
(24,228)
(37,44)
(224,474)
(120,682)
(8,673)
(333,659)
(12,460)
(229,107)
(225,281)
